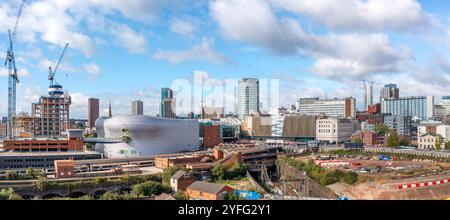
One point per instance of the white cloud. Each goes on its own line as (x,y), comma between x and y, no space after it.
(26,94)
(22,72)
(203,51)
(78,108)
(49,22)
(92,69)
(398,15)
(337,56)
(129,39)
(65,67)
(57,22)
(183,28)
(357,56)
(258,26)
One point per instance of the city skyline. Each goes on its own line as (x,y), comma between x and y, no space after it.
(135,54)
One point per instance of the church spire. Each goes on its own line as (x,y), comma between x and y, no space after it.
(110,111)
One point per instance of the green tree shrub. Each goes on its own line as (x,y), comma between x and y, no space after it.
(9,194)
(149,188)
(218,172)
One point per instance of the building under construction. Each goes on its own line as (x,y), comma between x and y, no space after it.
(49,117)
(24,125)
(52,115)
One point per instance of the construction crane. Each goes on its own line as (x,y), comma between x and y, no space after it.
(51,74)
(12,74)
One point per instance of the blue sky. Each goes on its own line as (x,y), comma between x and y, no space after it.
(125,50)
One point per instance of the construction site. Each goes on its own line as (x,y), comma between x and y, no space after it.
(382,177)
(50,115)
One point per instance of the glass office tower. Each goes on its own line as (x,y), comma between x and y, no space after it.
(421,107)
(248,97)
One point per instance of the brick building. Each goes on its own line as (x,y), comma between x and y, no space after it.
(93,111)
(366,137)
(64,168)
(200,190)
(369,138)
(36,145)
(181,180)
(211,136)
(374,109)
(164,162)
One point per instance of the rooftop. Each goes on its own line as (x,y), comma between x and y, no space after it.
(211,188)
(38,139)
(40,154)
(178,174)
(165,196)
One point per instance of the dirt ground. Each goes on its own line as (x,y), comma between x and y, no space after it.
(383,185)
(373,191)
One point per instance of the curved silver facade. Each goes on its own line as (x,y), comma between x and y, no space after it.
(150,135)
(99,128)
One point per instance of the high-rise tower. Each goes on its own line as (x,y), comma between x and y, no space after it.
(368,94)
(389,91)
(248,97)
(137,107)
(93,111)
(167,104)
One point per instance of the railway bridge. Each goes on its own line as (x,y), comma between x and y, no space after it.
(30,192)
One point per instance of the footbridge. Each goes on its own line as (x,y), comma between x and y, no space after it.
(113,140)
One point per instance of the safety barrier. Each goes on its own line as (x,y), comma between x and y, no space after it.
(423,184)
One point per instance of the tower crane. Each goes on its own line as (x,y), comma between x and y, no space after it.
(51,73)
(12,74)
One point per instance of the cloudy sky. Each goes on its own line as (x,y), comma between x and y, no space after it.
(121,50)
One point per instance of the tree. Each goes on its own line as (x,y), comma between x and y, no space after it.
(237,171)
(9,194)
(381,129)
(218,172)
(331,177)
(232,196)
(169,172)
(110,196)
(41,184)
(447,145)
(99,180)
(358,140)
(30,172)
(125,179)
(149,188)
(180,196)
(314,171)
(393,139)
(39,173)
(403,142)
(437,144)
(85,197)
(89,146)
(350,177)
(11,175)
(116,196)
(126,135)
